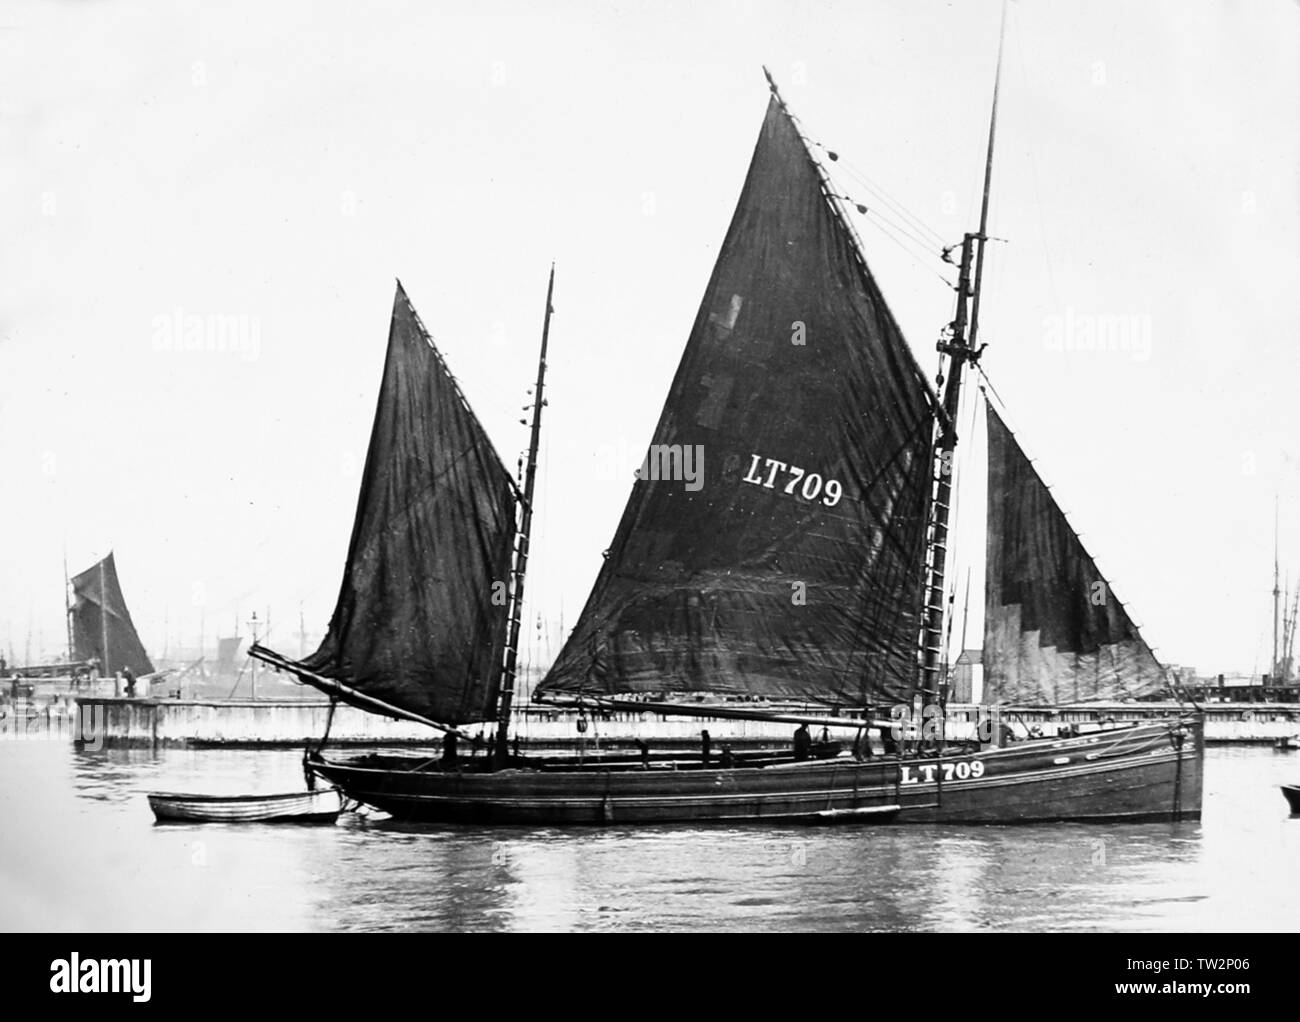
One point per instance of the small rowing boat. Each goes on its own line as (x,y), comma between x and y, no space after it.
(321,806)
(1292,793)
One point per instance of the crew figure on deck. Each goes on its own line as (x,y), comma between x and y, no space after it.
(706,744)
(802,743)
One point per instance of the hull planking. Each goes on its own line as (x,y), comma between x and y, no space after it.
(1142,772)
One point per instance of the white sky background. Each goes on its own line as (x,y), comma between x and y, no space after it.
(284,163)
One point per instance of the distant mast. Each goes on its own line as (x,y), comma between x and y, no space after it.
(506,697)
(1272,671)
(67,605)
(960,349)
(253,679)
(103,616)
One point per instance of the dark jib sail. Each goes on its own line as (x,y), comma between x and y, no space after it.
(420,620)
(773,540)
(93,590)
(1054,631)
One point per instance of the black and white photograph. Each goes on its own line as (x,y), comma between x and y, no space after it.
(651,466)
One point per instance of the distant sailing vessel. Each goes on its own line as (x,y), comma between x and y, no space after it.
(100,625)
(227,650)
(807,565)
(101,636)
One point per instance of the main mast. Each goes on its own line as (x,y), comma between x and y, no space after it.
(960,349)
(506,697)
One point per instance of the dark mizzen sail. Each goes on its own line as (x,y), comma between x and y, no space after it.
(421,616)
(1054,631)
(752,578)
(92,590)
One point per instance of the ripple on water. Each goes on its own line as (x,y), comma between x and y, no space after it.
(1234,870)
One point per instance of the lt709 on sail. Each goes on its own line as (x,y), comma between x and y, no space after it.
(812,481)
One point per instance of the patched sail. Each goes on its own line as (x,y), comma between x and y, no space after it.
(773,542)
(1054,631)
(99,616)
(421,615)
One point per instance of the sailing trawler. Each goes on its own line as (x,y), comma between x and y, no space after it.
(807,565)
(100,630)
(102,639)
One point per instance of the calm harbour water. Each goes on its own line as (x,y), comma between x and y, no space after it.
(79,851)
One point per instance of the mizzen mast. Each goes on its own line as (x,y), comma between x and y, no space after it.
(506,697)
(960,349)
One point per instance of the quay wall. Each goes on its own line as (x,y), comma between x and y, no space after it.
(272,723)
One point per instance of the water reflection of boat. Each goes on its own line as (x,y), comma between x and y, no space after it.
(321,806)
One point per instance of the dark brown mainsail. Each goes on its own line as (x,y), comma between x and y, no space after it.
(1054,631)
(421,616)
(774,540)
(94,590)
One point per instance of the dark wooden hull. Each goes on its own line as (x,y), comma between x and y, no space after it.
(1292,793)
(1144,772)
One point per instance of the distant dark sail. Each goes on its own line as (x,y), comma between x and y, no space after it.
(93,590)
(1054,631)
(785,558)
(227,650)
(420,620)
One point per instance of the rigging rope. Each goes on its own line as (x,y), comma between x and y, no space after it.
(954,522)
(882,225)
(919,225)
(931,246)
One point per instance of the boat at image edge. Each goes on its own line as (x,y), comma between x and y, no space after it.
(826,457)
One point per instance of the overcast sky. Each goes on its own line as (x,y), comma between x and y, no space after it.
(282,163)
